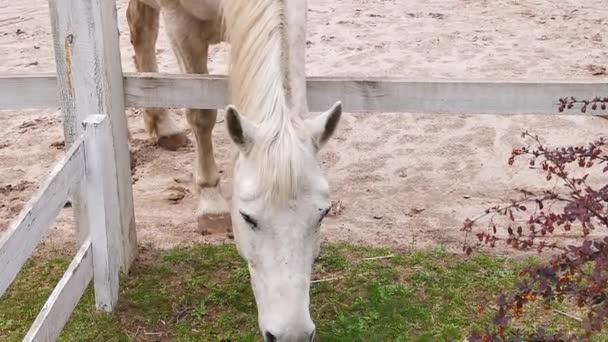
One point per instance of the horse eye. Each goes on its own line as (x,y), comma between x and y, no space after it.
(253,223)
(325,212)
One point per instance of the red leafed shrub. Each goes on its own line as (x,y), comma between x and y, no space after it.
(575,201)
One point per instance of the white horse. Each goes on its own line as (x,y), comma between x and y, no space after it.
(280,194)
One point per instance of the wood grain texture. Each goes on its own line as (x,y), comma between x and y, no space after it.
(19,241)
(358,95)
(103,205)
(90,80)
(28,91)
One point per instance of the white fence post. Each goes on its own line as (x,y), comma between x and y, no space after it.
(90,80)
(89,162)
(103,204)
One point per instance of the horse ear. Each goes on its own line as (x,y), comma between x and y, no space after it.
(240,129)
(324,125)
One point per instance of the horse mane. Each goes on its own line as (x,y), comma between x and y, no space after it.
(260,88)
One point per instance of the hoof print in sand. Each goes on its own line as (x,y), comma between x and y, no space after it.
(175,194)
(174,142)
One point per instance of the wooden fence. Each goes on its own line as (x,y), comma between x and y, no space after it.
(88,162)
(357,94)
(94,174)
(95,171)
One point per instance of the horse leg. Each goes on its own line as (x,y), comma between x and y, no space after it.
(190,44)
(143,24)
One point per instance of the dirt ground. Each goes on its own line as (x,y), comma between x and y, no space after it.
(403,179)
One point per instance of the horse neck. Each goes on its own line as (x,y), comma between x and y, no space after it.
(267,83)
(268,42)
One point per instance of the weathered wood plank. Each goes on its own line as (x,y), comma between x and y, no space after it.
(18,242)
(374,94)
(58,308)
(450,97)
(64,24)
(28,91)
(357,95)
(103,206)
(164,90)
(90,80)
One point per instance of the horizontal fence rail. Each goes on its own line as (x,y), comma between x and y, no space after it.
(357,94)
(66,295)
(18,243)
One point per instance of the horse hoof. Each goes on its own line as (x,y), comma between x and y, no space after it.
(215,224)
(213,213)
(174,141)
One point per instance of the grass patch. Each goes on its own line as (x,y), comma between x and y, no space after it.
(203,294)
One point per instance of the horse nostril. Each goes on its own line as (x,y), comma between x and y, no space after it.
(270,337)
(312,336)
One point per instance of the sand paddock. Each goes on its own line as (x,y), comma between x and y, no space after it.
(402,179)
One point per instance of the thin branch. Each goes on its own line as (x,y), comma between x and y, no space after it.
(379,257)
(578,319)
(326,280)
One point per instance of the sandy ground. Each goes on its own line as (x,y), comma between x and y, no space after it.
(403,179)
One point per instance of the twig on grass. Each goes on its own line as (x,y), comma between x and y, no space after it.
(182,314)
(578,319)
(139,328)
(326,280)
(379,257)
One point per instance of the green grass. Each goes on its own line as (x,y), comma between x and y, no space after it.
(203,294)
